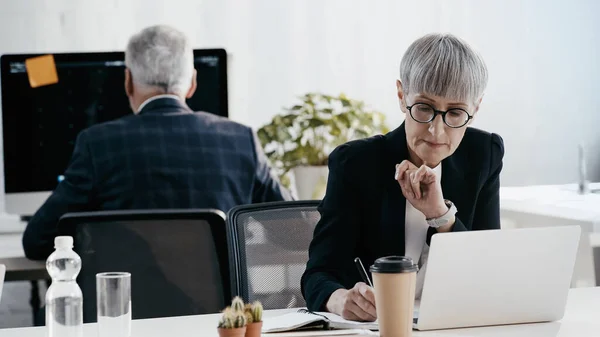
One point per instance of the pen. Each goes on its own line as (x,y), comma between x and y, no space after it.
(362,271)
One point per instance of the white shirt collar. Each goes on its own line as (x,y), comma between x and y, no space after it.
(438,170)
(153,98)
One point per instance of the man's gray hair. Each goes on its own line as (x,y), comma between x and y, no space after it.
(443,65)
(161,57)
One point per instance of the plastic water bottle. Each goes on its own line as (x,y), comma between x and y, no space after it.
(64,301)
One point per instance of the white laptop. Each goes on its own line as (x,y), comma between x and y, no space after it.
(2,272)
(497,277)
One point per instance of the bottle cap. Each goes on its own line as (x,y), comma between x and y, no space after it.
(63,242)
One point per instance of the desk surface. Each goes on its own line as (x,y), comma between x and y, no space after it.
(582,319)
(553,200)
(22,269)
(19,268)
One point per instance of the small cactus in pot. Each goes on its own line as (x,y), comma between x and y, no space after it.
(232,323)
(255,312)
(248,312)
(237,304)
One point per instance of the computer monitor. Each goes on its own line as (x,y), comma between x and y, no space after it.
(40,125)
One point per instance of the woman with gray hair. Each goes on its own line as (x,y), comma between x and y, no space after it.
(387,195)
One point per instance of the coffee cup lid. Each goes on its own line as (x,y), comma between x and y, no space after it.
(394,264)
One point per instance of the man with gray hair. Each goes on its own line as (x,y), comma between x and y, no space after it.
(164,156)
(160,62)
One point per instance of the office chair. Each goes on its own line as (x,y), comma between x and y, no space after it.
(177,258)
(268,245)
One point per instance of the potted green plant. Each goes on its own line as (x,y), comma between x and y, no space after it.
(299,141)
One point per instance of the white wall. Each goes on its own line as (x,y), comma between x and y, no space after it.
(542,56)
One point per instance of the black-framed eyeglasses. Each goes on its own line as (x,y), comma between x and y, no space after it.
(425,113)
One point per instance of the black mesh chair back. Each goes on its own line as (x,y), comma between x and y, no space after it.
(269,249)
(178,259)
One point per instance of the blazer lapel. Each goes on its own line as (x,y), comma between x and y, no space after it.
(394,203)
(453,180)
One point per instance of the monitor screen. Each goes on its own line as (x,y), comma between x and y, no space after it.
(41,124)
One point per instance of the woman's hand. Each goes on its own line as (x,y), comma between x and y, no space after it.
(422,188)
(356,304)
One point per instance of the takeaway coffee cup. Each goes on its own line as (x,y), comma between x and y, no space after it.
(394,281)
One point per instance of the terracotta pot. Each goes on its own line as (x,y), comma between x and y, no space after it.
(254,329)
(237,332)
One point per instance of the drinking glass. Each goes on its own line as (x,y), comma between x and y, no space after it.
(113,292)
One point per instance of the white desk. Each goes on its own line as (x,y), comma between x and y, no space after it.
(18,268)
(11,231)
(555,205)
(561,201)
(582,319)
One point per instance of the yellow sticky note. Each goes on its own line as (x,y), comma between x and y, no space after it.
(41,71)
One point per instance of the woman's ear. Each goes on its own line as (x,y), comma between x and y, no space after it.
(477,104)
(399,90)
(400,93)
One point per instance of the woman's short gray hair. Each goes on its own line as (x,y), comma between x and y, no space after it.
(161,57)
(443,65)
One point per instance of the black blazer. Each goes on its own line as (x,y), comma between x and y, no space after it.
(166,157)
(363,211)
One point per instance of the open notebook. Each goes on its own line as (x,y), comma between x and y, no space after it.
(304,319)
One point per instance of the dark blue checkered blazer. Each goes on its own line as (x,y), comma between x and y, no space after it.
(165,157)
